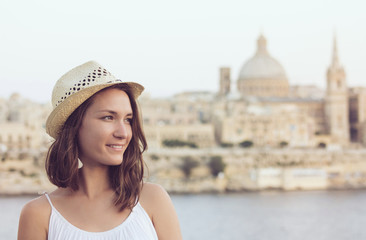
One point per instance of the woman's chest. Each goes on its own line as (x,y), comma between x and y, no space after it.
(92,216)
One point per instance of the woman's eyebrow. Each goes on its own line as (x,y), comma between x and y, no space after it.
(114,113)
(108,111)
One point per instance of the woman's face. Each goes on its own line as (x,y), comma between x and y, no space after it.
(105,131)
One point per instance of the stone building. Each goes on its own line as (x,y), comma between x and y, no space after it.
(357,114)
(22,127)
(257,110)
(185,117)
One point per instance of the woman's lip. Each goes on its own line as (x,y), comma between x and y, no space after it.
(116,146)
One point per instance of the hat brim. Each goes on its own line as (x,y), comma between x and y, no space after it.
(59,115)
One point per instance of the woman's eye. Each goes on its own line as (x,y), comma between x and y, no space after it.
(108,118)
(129,120)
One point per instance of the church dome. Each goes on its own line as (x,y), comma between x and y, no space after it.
(262,65)
(262,75)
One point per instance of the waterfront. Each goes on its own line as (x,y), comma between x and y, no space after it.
(323,215)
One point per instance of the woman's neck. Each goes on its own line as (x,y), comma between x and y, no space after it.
(94,181)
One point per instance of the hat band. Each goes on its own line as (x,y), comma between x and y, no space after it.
(97,77)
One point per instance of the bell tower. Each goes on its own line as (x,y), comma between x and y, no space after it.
(336,101)
(224,81)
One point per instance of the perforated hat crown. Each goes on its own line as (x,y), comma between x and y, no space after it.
(75,87)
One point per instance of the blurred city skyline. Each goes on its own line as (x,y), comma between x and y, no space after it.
(172,47)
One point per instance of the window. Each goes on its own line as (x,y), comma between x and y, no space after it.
(339,121)
(339,83)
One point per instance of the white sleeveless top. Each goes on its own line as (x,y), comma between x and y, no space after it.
(137,226)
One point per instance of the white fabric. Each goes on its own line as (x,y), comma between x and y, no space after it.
(137,226)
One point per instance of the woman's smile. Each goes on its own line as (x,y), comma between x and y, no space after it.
(116,147)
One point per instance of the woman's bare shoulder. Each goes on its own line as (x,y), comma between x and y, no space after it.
(157,203)
(152,190)
(34,218)
(38,206)
(152,197)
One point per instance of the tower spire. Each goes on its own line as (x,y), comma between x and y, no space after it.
(335,59)
(336,101)
(261,45)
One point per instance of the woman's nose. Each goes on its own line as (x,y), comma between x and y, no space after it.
(120,130)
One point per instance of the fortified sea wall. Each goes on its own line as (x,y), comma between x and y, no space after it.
(191,170)
(258,169)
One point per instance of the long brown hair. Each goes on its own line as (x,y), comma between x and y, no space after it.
(126,179)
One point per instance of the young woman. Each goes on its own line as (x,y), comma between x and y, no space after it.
(96,121)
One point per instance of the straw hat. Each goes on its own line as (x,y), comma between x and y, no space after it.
(76,86)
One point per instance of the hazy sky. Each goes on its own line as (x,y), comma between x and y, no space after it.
(173,46)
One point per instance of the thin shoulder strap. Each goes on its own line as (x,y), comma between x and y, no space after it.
(49,200)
